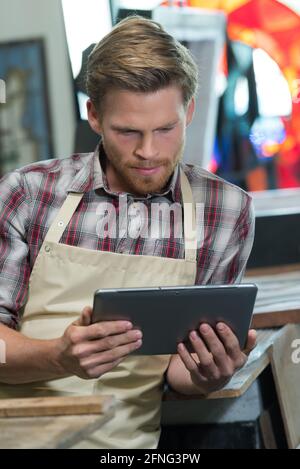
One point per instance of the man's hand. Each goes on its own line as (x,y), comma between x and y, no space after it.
(217,356)
(90,350)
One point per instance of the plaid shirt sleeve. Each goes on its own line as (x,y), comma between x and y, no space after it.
(233,263)
(14,262)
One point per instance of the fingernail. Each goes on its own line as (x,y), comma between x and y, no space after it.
(193,335)
(221,327)
(180,348)
(204,328)
(138,334)
(138,343)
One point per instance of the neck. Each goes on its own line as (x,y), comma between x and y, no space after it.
(113,182)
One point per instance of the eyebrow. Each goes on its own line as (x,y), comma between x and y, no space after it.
(129,128)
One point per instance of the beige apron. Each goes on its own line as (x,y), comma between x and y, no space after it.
(63,281)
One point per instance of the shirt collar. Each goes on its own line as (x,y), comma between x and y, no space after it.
(91,177)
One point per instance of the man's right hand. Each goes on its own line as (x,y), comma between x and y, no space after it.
(90,350)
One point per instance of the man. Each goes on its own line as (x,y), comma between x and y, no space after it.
(57,248)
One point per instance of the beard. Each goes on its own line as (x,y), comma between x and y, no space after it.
(132,181)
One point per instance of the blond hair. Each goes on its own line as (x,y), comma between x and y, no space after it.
(139,55)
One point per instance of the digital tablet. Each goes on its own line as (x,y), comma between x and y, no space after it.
(166,315)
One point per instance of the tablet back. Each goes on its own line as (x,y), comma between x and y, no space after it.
(166,315)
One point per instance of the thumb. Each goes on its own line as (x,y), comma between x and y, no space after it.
(85,318)
(251,342)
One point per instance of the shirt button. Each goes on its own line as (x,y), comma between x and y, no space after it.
(47,248)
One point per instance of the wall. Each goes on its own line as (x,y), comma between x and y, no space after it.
(29,19)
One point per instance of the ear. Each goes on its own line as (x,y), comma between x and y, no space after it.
(190,111)
(93,117)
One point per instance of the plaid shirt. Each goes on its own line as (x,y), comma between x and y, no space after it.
(30,198)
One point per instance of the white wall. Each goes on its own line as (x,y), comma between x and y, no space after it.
(86,23)
(29,19)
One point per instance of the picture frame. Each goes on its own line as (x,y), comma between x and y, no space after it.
(25,128)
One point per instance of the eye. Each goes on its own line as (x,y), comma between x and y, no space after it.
(127,132)
(166,129)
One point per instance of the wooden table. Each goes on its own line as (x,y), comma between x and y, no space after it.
(52,431)
(278,298)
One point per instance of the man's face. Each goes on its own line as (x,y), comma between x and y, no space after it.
(143,136)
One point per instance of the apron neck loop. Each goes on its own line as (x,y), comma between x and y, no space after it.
(189,219)
(63,217)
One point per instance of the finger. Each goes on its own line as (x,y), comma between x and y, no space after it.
(206,365)
(100,330)
(85,349)
(251,341)
(86,316)
(187,358)
(190,363)
(230,341)
(109,356)
(98,371)
(214,345)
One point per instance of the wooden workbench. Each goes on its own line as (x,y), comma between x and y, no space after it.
(42,430)
(278,297)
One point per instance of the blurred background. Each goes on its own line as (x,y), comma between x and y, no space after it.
(248,105)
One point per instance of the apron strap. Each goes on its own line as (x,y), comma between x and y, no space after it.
(189,219)
(73,199)
(63,217)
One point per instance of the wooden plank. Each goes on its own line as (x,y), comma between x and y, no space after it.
(278,298)
(275,318)
(277,269)
(286,372)
(258,360)
(59,432)
(266,427)
(57,405)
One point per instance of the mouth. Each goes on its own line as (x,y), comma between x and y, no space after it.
(148,171)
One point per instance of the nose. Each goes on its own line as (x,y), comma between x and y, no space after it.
(146,148)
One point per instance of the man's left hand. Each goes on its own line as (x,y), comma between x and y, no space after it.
(217,356)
